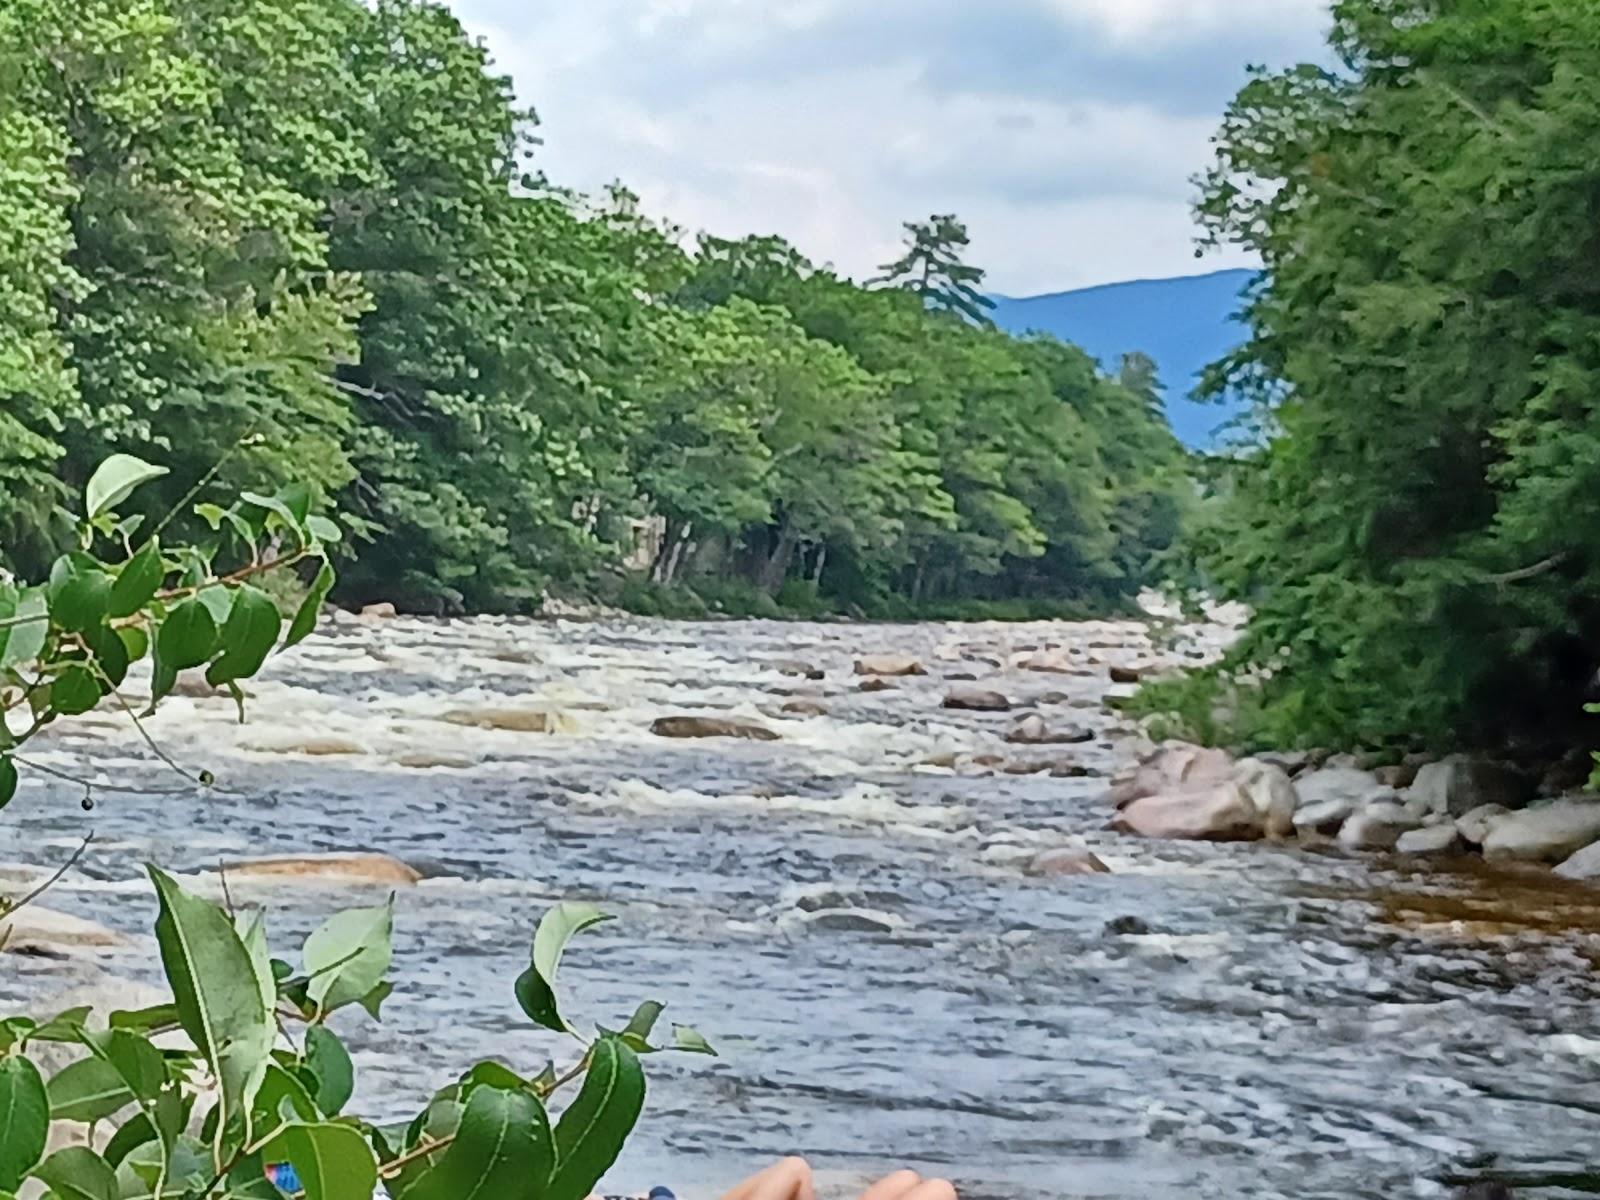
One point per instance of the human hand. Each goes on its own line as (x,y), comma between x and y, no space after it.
(791,1180)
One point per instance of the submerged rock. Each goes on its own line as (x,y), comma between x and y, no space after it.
(1053,864)
(424,760)
(875,684)
(509,719)
(711,727)
(800,670)
(338,868)
(1474,826)
(851,920)
(973,699)
(1032,731)
(45,933)
(889,665)
(805,708)
(1051,662)
(1549,834)
(1126,674)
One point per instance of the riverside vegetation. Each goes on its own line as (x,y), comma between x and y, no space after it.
(310,240)
(197,1097)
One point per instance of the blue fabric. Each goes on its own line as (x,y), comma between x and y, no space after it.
(283,1177)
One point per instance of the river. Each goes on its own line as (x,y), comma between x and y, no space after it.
(1274,1024)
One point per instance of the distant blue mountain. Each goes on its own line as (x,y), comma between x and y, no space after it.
(1184,324)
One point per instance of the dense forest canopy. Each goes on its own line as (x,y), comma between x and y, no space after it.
(1418,536)
(310,239)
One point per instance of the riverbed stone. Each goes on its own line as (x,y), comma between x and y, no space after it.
(798,669)
(1435,839)
(383,610)
(711,727)
(877,684)
(324,745)
(1549,834)
(1271,792)
(334,868)
(1474,826)
(1051,662)
(805,708)
(429,760)
(890,665)
(508,718)
(1378,826)
(851,920)
(1459,784)
(1219,813)
(46,933)
(1054,864)
(1033,731)
(974,699)
(1126,674)
(1585,864)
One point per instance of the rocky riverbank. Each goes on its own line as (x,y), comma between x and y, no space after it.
(1454,806)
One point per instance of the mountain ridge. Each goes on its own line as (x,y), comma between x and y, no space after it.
(1184,323)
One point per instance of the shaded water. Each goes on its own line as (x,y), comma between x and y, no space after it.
(1285,1025)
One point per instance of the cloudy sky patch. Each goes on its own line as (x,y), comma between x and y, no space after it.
(1065,132)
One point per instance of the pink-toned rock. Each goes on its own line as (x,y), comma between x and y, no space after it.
(889,664)
(378,612)
(1176,766)
(1050,662)
(337,868)
(1220,813)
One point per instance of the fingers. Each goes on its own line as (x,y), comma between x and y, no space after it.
(908,1185)
(787,1180)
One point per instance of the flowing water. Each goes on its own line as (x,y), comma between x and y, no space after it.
(846,915)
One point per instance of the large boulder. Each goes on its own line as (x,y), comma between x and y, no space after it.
(1176,766)
(1270,792)
(973,699)
(1549,834)
(1218,813)
(1331,796)
(1378,826)
(711,727)
(334,868)
(889,665)
(1474,826)
(1585,864)
(1460,784)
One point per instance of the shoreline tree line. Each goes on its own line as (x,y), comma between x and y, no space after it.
(310,240)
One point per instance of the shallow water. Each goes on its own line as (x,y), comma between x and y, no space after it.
(1289,1026)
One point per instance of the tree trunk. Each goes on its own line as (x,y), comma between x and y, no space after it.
(822,561)
(680,546)
(776,569)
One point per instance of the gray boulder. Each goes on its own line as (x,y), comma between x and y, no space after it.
(1585,864)
(1378,826)
(1549,834)
(1435,839)
(1460,784)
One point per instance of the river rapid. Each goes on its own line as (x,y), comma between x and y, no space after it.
(846,914)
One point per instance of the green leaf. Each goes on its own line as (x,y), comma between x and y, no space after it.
(323,530)
(348,956)
(373,1000)
(502,1148)
(305,617)
(146,1020)
(110,656)
(138,581)
(23,640)
(90,1089)
(592,1131)
(78,1173)
(283,1098)
(66,1026)
(8,779)
(76,690)
(690,1041)
(296,497)
(535,987)
(81,600)
(333,1162)
(114,481)
(643,1022)
(135,641)
(24,1120)
(247,638)
(129,1138)
(330,1063)
(217,993)
(218,600)
(187,636)
(272,506)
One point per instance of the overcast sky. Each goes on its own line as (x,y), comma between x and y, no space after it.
(1064,132)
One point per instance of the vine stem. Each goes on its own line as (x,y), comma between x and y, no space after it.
(53,880)
(395,1165)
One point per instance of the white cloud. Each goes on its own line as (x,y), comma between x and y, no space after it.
(1063,131)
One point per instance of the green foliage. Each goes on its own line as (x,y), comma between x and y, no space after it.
(305,241)
(203,1118)
(1410,525)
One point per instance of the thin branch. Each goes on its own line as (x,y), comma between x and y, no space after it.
(395,1165)
(1525,573)
(54,879)
(95,785)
